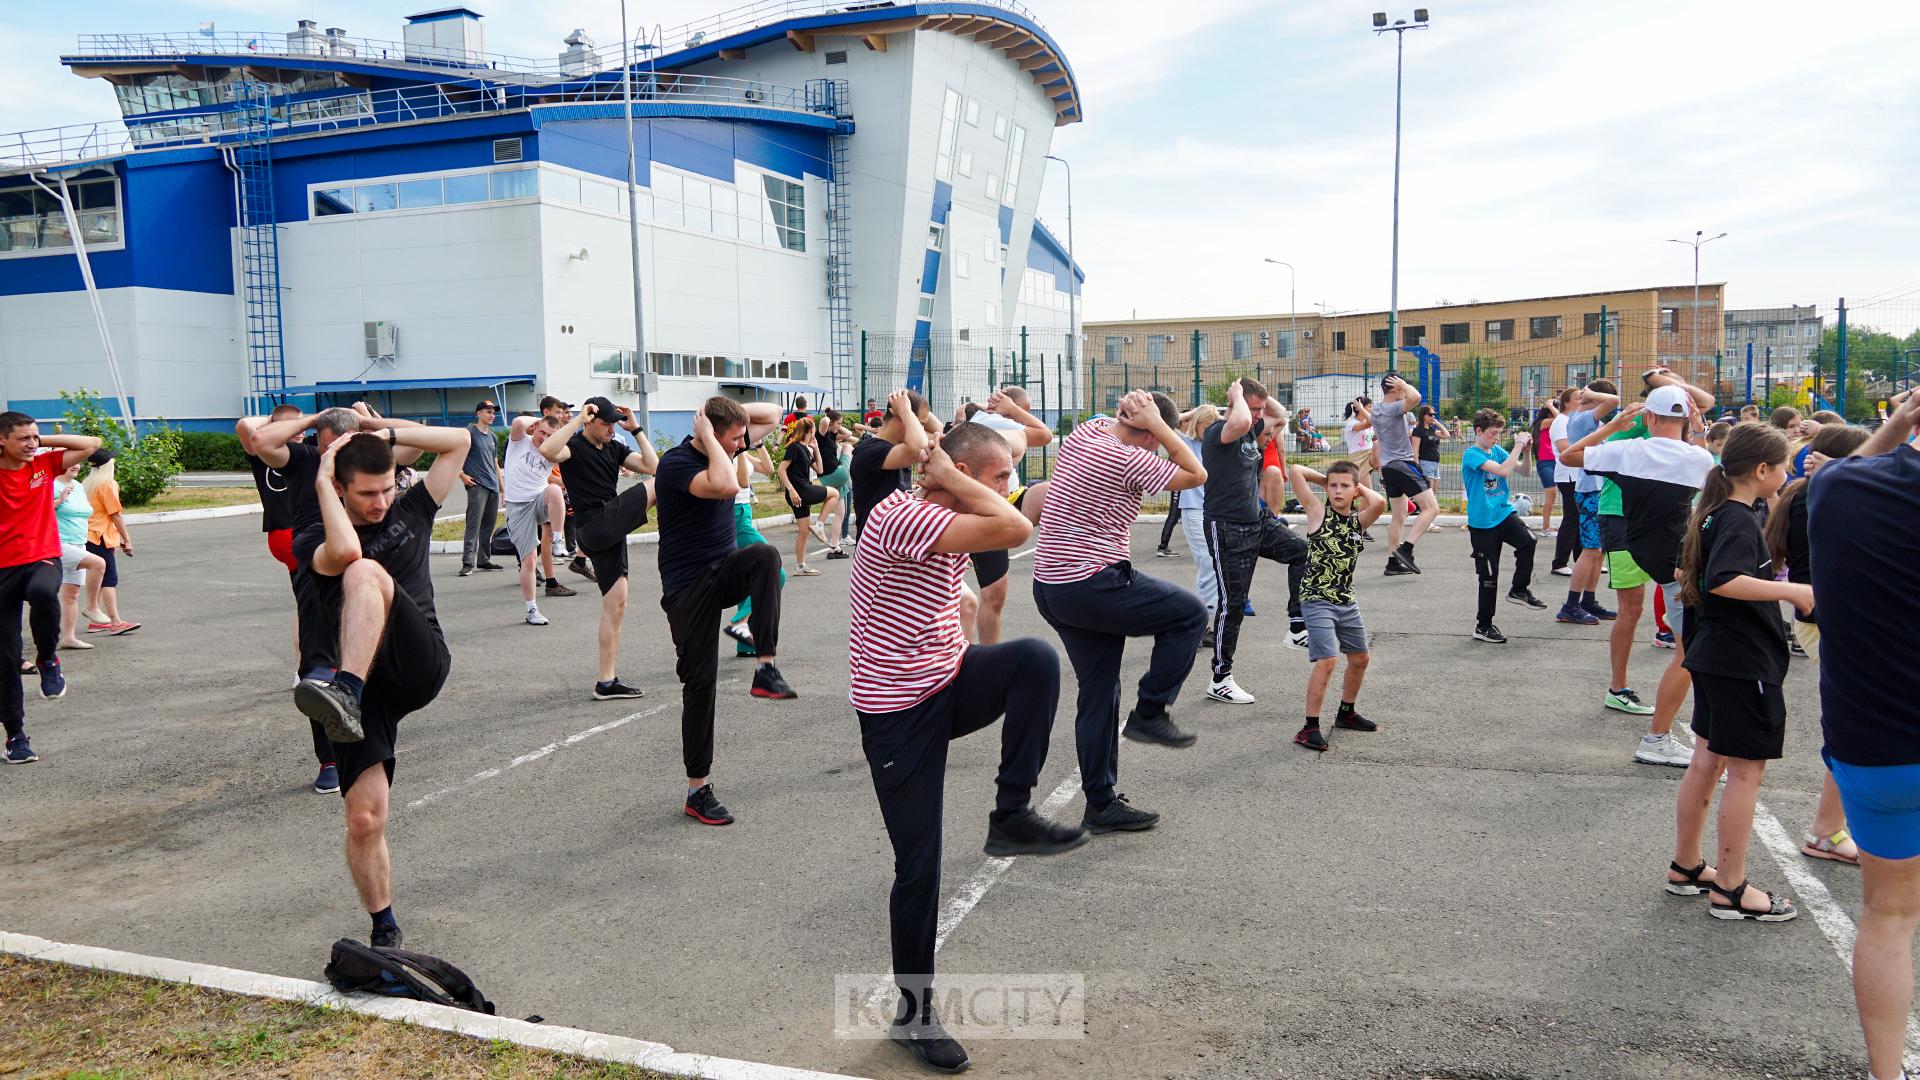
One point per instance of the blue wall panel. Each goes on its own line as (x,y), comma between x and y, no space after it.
(706,147)
(176,214)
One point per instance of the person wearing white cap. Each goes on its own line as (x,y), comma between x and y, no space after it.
(1659,476)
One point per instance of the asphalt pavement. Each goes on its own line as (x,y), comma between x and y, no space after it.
(1472,891)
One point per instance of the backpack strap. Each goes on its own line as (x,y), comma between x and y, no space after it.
(458,988)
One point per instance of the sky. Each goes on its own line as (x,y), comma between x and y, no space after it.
(1549,146)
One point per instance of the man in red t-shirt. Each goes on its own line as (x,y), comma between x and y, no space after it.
(30,563)
(916,684)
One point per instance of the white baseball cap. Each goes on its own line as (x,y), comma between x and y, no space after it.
(1668,401)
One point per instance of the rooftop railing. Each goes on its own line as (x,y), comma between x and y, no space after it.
(434,101)
(748,16)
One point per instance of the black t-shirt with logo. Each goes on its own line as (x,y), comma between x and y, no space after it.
(276,492)
(695,532)
(399,543)
(592,473)
(1736,639)
(296,478)
(1428,436)
(829,446)
(1233,474)
(872,480)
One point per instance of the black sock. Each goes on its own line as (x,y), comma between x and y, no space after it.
(1573,598)
(383,919)
(1587,598)
(1313,722)
(349,682)
(1296,625)
(552,581)
(1346,708)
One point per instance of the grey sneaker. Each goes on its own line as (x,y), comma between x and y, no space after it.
(1662,750)
(332,707)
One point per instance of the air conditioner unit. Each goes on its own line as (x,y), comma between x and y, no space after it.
(1126,341)
(1169,339)
(1266,338)
(1307,334)
(752,94)
(626,384)
(382,340)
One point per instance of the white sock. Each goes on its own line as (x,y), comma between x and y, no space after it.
(1902,1076)
(532,607)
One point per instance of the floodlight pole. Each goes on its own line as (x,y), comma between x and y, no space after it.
(1399,30)
(640,368)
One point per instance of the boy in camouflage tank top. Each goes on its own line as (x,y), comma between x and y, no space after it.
(1334,541)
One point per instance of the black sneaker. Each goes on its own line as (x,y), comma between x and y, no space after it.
(1311,738)
(1489,633)
(1367,536)
(1405,551)
(1526,599)
(1024,832)
(613,689)
(332,707)
(581,566)
(1206,641)
(704,807)
(932,1045)
(1353,721)
(767,683)
(491,566)
(387,937)
(838,553)
(466,571)
(1156,728)
(554,588)
(1118,816)
(1396,568)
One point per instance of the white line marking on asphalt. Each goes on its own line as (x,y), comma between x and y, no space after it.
(536,755)
(1019,554)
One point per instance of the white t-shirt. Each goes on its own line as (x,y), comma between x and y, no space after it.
(1556,434)
(525,477)
(1009,429)
(749,466)
(1359,439)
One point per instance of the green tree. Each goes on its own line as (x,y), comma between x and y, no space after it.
(1477,384)
(143,469)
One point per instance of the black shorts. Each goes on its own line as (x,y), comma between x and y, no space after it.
(1613,532)
(601,534)
(810,496)
(408,671)
(991,566)
(1403,480)
(1739,718)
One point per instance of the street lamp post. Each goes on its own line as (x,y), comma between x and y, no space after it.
(1693,350)
(1399,30)
(1293,329)
(1073,283)
(640,368)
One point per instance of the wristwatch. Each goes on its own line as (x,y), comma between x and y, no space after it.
(393,436)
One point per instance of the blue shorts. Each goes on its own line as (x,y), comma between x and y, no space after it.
(1544,469)
(1883,806)
(1589,503)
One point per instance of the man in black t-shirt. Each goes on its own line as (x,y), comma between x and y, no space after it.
(285,471)
(591,459)
(883,462)
(369,574)
(702,572)
(1240,532)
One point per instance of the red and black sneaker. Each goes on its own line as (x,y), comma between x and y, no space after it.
(767,683)
(1311,738)
(704,807)
(1353,721)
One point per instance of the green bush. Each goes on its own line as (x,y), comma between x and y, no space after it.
(143,469)
(211,451)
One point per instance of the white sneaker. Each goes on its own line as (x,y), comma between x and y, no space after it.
(534,618)
(803,570)
(1664,750)
(819,531)
(1297,639)
(1228,691)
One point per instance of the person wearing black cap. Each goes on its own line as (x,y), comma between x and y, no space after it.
(702,572)
(481,475)
(591,459)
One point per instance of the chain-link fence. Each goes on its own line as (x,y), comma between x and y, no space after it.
(1792,356)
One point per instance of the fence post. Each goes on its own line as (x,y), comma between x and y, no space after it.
(1769,376)
(1717,359)
(1093,385)
(991,384)
(863,369)
(1749,372)
(1840,365)
(1023,356)
(1603,341)
(1043,409)
(1060,391)
(1196,369)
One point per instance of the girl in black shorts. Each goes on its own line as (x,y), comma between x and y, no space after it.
(1736,650)
(803,492)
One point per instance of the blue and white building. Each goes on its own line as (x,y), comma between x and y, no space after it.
(311,216)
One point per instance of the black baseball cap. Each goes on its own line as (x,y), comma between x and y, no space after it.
(487,404)
(550,401)
(605,408)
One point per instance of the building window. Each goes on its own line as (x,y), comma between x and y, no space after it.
(1242,345)
(1809,330)
(962,266)
(469,188)
(993,186)
(1379,338)
(1543,326)
(1670,322)
(1156,348)
(990,250)
(1772,331)
(1411,335)
(1590,323)
(1454,333)
(787,202)
(1016,150)
(999,125)
(1533,382)
(1499,329)
(1579,374)
(936,237)
(32,220)
(1113,347)
(1283,343)
(513,184)
(1339,341)
(966,163)
(926,305)
(973,113)
(1200,341)
(949,137)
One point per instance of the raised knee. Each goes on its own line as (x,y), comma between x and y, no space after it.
(366,573)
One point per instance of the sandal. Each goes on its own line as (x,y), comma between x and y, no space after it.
(1693,884)
(123,627)
(1838,848)
(1779,908)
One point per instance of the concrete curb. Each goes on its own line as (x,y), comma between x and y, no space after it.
(160,517)
(588,1044)
(456,547)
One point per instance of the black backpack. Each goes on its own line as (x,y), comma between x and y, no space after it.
(394,972)
(502,543)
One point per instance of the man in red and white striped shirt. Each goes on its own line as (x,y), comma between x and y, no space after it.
(916,685)
(1085,587)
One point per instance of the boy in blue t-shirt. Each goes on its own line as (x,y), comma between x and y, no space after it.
(1492,521)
